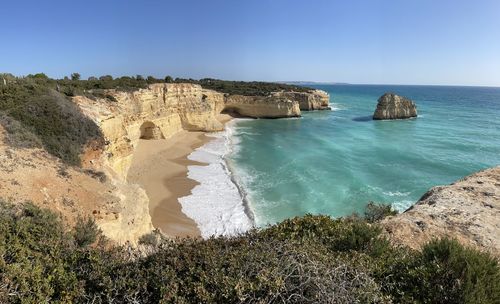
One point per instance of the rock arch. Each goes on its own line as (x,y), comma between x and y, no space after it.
(150,131)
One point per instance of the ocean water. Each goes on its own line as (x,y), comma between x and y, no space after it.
(335,162)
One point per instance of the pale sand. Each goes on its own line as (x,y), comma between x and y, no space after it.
(160,167)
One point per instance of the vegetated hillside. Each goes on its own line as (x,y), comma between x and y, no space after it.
(313,259)
(34,113)
(248,88)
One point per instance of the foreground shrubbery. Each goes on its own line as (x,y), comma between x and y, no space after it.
(312,259)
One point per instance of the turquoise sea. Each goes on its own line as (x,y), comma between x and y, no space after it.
(335,162)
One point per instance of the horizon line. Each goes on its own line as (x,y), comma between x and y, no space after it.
(296,82)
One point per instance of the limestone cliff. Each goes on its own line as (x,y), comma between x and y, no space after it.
(261,106)
(158,111)
(161,110)
(32,174)
(308,101)
(468,210)
(392,106)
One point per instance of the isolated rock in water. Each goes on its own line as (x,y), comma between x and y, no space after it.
(392,106)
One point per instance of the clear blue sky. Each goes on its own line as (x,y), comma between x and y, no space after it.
(372,41)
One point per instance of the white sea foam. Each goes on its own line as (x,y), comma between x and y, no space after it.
(401,206)
(396,193)
(337,106)
(216,204)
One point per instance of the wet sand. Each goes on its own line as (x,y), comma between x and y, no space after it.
(160,167)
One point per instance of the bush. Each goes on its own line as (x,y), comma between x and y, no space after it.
(467,275)
(301,260)
(32,246)
(18,135)
(86,231)
(150,239)
(376,212)
(336,234)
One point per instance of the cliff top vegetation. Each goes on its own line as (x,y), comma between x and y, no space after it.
(310,259)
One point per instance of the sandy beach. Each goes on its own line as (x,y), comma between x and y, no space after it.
(160,167)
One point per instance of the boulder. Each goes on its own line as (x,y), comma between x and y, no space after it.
(392,106)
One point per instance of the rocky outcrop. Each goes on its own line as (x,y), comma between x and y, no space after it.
(158,111)
(308,101)
(261,106)
(32,174)
(468,210)
(392,106)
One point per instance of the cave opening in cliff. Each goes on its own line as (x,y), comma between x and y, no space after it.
(151,131)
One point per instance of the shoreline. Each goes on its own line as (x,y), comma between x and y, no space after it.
(160,167)
(217,203)
(163,168)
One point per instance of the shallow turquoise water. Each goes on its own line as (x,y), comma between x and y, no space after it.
(334,162)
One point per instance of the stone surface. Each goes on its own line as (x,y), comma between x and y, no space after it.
(261,106)
(468,210)
(308,101)
(32,174)
(392,106)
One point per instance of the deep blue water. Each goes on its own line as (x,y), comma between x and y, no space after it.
(334,162)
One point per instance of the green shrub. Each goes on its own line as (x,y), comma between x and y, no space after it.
(18,135)
(337,234)
(467,275)
(443,272)
(86,231)
(376,212)
(150,239)
(313,259)
(32,267)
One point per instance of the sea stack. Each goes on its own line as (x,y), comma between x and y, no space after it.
(392,106)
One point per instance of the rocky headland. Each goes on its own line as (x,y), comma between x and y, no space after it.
(468,210)
(392,106)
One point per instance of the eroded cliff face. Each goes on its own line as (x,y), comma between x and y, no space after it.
(159,111)
(468,210)
(308,101)
(162,110)
(32,174)
(261,106)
